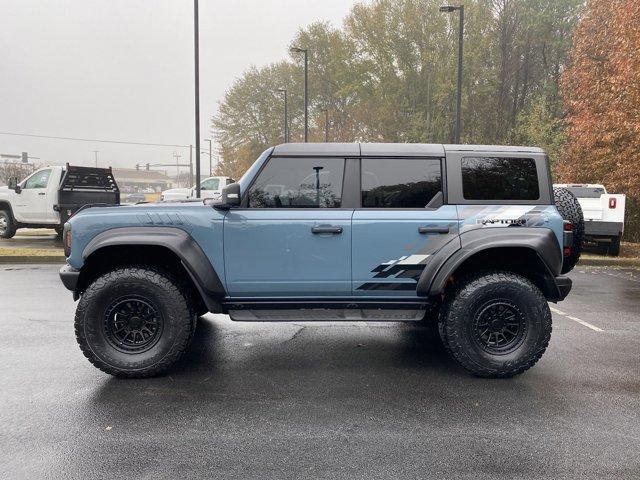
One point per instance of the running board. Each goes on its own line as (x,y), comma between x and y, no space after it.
(327,315)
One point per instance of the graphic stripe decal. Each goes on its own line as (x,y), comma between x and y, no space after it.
(404,267)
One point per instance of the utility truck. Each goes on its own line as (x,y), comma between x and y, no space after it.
(50,195)
(603,215)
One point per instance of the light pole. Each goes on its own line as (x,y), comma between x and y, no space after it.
(210,160)
(306,89)
(196,49)
(326,125)
(283,91)
(450,9)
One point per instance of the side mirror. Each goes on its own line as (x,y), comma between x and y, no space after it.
(13,184)
(230,197)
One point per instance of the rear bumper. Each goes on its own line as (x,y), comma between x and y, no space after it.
(563,285)
(604,229)
(69,277)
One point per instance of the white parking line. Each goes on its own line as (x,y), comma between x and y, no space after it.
(575,319)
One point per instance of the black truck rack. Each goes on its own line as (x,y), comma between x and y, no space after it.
(82,186)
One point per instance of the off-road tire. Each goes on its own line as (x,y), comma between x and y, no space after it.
(7,219)
(614,247)
(569,208)
(476,293)
(155,286)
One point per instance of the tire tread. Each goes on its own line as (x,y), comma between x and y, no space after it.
(456,349)
(156,276)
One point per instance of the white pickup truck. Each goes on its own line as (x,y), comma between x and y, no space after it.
(603,214)
(209,188)
(50,195)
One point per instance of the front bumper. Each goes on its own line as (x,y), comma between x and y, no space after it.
(563,285)
(69,277)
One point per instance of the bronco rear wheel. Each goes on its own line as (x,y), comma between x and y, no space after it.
(495,324)
(134,322)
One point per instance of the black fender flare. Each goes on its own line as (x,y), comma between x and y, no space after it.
(178,241)
(446,261)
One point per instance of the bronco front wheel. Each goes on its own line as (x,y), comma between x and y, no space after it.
(495,324)
(134,322)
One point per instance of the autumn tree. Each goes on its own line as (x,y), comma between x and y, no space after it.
(389,75)
(601,90)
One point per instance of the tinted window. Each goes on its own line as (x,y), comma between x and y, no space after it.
(399,183)
(499,178)
(38,180)
(298,183)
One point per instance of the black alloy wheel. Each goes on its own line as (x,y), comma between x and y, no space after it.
(133,324)
(499,327)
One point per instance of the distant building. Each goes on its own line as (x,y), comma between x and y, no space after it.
(131,180)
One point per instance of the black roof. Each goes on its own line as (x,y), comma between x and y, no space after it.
(390,149)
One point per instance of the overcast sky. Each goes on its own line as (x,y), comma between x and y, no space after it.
(123,70)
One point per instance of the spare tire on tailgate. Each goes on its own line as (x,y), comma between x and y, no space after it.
(569,208)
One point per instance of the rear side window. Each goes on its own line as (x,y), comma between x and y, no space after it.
(400,182)
(298,183)
(499,178)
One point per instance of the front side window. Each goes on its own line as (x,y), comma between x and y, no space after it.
(38,180)
(298,183)
(400,182)
(211,184)
(499,178)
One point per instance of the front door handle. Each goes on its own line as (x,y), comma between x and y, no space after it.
(42,193)
(326,229)
(426,230)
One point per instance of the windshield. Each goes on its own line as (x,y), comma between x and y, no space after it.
(586,192)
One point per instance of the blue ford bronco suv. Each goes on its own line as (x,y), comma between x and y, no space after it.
(468,238)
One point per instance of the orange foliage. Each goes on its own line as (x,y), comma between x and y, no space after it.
(601,92)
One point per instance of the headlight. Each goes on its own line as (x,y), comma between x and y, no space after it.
(67,238)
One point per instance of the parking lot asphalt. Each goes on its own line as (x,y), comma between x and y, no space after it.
(349,400)
(32,239)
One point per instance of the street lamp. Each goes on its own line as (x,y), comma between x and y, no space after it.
(196,48)
(283,91)
(326,125)
(451,9)
(306,89)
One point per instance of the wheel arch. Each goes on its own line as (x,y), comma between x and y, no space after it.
(5,205)
(171,248)
(531,252)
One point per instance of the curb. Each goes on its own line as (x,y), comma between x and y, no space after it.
(13,259)
(609,262)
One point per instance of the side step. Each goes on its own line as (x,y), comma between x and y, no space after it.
(327,315)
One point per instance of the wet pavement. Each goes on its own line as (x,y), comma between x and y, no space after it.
(318,400)
(26,238)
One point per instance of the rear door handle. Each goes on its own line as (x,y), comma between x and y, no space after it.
(326,229)
(426,230)
(42,193)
